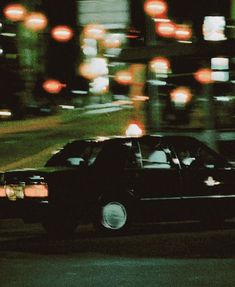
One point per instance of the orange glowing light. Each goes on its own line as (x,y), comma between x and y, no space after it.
(2,191)
(15,12)
(123,77)
(181,95)
(183,32)
(155,8)
(62,33)
(160,65)
(204,76)
(110,42)
(35,21)
(52,86)
(36,190)
(94,31)
(165,29)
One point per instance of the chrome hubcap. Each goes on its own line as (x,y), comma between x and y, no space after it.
(114,215)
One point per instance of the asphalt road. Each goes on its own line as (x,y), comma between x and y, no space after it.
(154,255)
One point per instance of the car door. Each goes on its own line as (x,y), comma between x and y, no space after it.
(208,187)
(155,182)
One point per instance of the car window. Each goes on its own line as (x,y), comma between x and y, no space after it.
(75,154)
(155,156)
(196,154)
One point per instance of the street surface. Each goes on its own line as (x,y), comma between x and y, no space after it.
(155,255)
(164,255)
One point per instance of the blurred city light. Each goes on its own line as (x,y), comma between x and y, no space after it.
(113,40)
(155,8)
(123,77)
(35,21)
(181,96)
(2,191)
(204,76)
(183,32)
(15,12)
(89,47)
(165,29)
(220,76)
(53,86)
(93,68)
(213,28)
(220,63)
(94,31)
(134,130)
(99,85)
(159,65)
(62,33)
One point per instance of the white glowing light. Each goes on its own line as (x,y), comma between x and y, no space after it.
(99,85)
(213,28)
(134,130)
(219,63)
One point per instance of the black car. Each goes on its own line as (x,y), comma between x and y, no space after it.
(113,182)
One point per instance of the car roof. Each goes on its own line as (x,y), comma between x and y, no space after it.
(163,138)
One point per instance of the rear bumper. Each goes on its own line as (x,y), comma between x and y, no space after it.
(31,211)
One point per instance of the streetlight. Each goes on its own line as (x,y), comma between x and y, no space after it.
(62,33)
(15,12)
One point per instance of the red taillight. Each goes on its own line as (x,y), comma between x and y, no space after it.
(36,190)
(2,191)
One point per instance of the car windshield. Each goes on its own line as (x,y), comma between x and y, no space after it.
(76,154)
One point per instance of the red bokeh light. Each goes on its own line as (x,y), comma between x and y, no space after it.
(160,65)
(35,21)
(181,95)
(94,31)
(155,8)
(15,12)
(183,32)
(165,29)
(204,76)
(53,86)
(62,33)
(124,77)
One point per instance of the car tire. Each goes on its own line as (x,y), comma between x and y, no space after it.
(113,217)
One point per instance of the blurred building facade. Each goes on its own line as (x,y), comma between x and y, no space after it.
(28,58)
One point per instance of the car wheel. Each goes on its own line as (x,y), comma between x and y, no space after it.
(113,216)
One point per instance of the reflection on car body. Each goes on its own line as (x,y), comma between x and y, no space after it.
(114,182)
